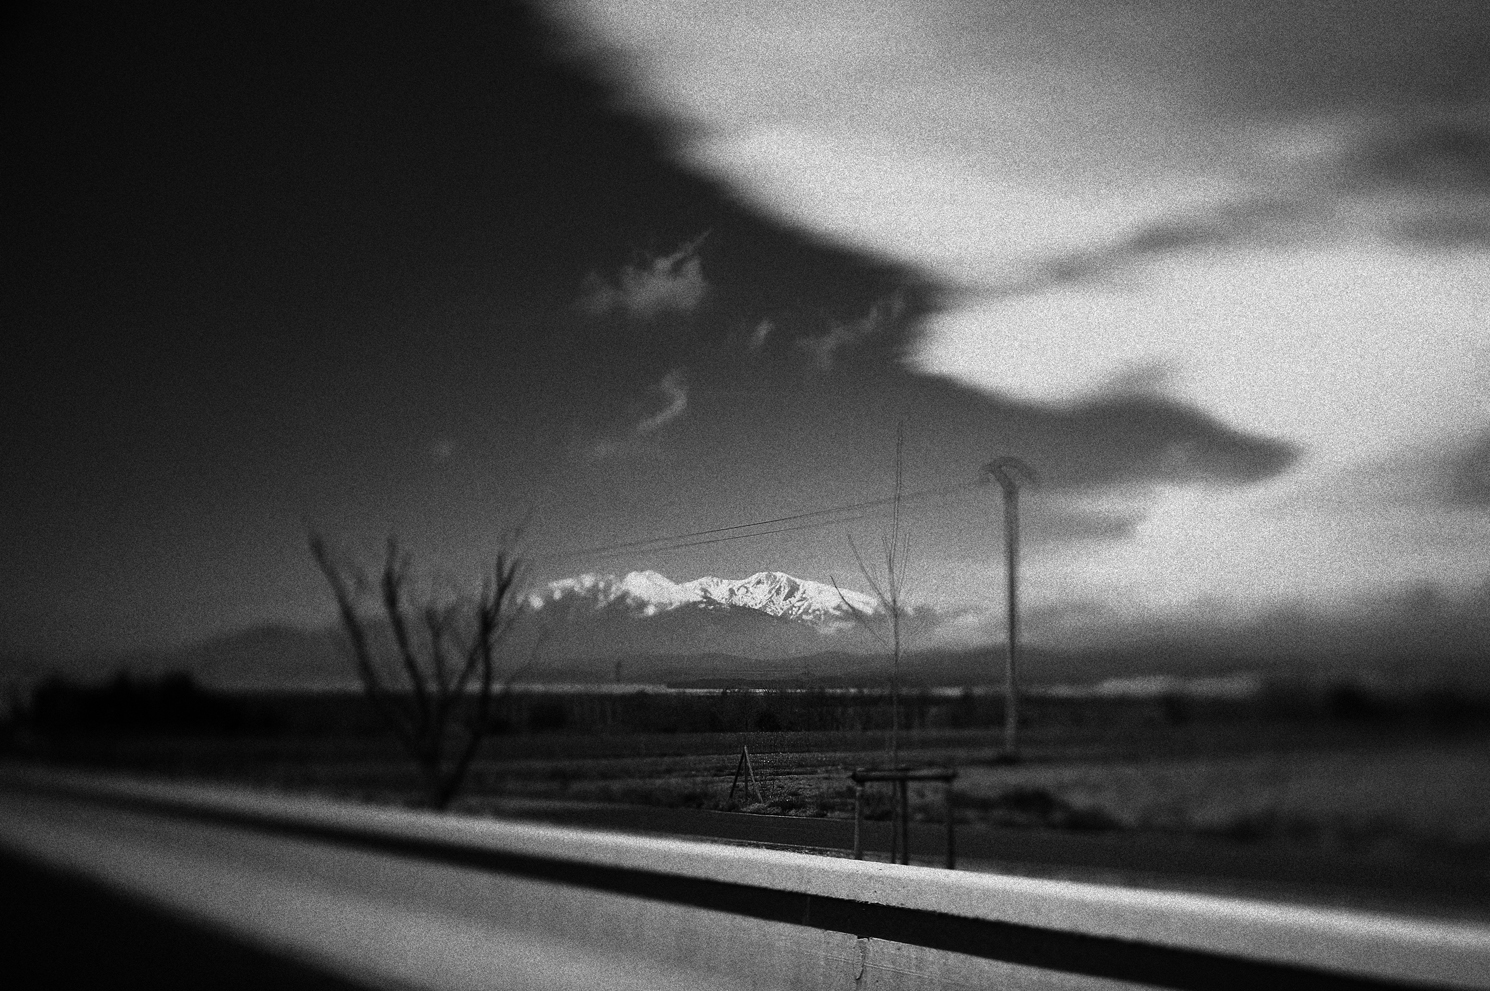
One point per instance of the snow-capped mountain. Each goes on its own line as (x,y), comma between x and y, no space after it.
(782,595)
(647,593)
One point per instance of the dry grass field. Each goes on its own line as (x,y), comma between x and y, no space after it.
(1415,788)
(1428,797)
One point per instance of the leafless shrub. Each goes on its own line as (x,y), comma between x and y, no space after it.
(889,627)
(435,692)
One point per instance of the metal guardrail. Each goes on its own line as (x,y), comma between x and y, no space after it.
(1054,930)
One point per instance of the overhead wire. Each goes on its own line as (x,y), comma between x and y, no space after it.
(680,541)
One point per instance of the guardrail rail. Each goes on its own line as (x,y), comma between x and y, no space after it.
(379,897)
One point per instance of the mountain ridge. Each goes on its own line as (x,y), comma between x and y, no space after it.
(649,593)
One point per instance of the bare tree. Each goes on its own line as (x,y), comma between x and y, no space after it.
(436,690)
(889,589)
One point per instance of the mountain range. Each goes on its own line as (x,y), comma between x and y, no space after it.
(765,617)
(590,627)
(775,628)
(644,594)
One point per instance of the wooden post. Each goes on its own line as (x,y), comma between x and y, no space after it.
(744,766)
(951,830)
(894,824)
(905,821)
(858,819)
(739,766)
(899,779)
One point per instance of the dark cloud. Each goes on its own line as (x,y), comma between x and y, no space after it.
(1113,438)
(1420,634)
(1444,157)
(1464,474)
(1153,438)
(1287,59)
(1046,524)
(1259,220)
(1464,226)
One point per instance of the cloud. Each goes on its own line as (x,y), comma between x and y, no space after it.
(675,390)
(1447,154)
(1154,438)
(1462,226)
(1068,521)
(633,438)
(1283,205)
(1463,474)
(824,348)
(760,333)
(1393,177)
(659,284)
(1344,351)
(1417,632)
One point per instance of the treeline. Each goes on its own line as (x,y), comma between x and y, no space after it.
(816,711)
(175,705)
(172,704)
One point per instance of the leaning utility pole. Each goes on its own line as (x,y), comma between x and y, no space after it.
(1004,470)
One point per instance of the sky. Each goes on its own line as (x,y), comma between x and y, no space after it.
(614,271)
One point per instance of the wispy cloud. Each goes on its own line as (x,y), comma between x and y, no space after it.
(823,348)
(645,290)
(761,332)
(675,390)
(634,437)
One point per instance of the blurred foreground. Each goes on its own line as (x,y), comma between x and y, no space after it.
(1378,787)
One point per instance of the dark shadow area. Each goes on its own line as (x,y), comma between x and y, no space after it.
(71,932)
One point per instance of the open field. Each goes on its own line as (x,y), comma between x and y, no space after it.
(1377,787)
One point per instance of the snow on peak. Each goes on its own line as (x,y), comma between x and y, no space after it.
(646,591)
(780,594)
(649,593)
(652,592)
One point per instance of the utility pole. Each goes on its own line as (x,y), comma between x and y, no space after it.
(1005,471)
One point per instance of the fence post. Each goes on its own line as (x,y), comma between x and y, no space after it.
(905,820)
(951,830)
(858,818)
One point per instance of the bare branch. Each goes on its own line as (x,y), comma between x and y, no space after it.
(444,703)
(858,613)
(868,575)
(395,577)
(895,545)
(361,650)
(437,622)
(494,626)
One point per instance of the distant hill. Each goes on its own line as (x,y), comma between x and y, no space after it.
(774,629)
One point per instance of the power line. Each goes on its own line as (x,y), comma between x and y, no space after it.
(678,541)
